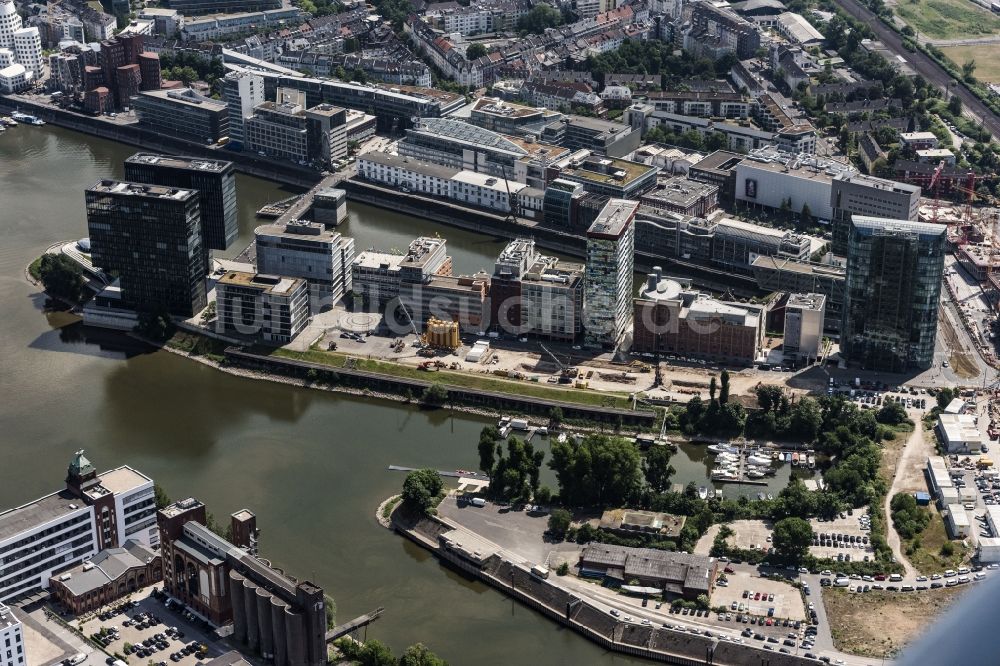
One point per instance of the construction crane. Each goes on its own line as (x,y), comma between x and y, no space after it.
(512,215)
(566,373)
(933,187)
(413,326)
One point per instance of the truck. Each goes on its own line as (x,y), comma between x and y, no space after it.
(539,571)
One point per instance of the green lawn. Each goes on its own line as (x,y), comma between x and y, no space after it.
(948,19)
(466,380)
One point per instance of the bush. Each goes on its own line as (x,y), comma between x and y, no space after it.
(559,521)
(562,569)
(908,518)
(947,549)
(434,395)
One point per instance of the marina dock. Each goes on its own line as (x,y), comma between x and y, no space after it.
(452,474)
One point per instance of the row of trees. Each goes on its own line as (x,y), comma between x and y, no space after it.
(376,653)
(719,416)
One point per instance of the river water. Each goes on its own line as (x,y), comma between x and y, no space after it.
(312,465)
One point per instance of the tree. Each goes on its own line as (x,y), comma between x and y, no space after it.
(944,397)
(516,475)
(712,388)
(724,390)
(555,418)
(955,105)
(374,653)
(908,518)
(597,470)
(657,469)
(559,521)
(160,496)
(434,395)
(419,655)
(806,216)
(489,441)
(475,51)
(805,421)
(61,276)
(892,413)
(421,487)
(792,537)
(156,326)
(969,70)
(543,495)
(540,17)
(330,606)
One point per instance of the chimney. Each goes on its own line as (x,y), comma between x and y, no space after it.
(651,281)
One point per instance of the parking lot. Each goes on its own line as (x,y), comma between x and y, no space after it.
(144,630)
(845,538)
(762,597)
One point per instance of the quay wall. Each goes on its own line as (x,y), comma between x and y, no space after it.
(401,385)
(285,173)
(560,605)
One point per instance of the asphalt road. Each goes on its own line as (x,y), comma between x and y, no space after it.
(921,63)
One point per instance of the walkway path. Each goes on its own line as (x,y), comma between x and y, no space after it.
(913,454)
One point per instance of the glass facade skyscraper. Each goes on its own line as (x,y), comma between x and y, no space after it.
(892,293)
(215,181)
(150,238)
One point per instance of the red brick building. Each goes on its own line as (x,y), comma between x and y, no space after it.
(669,320)
(108,576)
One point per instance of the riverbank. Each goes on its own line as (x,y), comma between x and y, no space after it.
(285,173)
(484,561)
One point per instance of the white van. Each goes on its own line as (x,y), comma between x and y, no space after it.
(478,501)
(895,578)
(842,582)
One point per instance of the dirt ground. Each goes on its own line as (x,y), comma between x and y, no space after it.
(747,533)
(961,359)
(875,624)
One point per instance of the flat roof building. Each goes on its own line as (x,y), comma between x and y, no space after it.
(960,433)
(268,308)
(608,285)
(857,194)
(215,181)
(682,195)
(781,274)
(670,318)
(892,293)
(151,236)
(610,176)
(804,325)
(307,250)
(93,512)
(773,179)
(12,648)
(182,114)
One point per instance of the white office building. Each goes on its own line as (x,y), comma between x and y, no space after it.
(308,250)
(960,433)
(11,639)
(768,178)
(804,320)
(610,264)
(243,92)
(28,50)
(10,22)
(93,512)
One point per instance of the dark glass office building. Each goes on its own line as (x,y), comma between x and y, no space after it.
(150,237)
(892,293)
(215,181)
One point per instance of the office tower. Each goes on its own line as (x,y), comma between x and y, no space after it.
(857,194)
(610,261)
(310,251)
(150,236)
(892,293)
(243,92)
(215,181)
